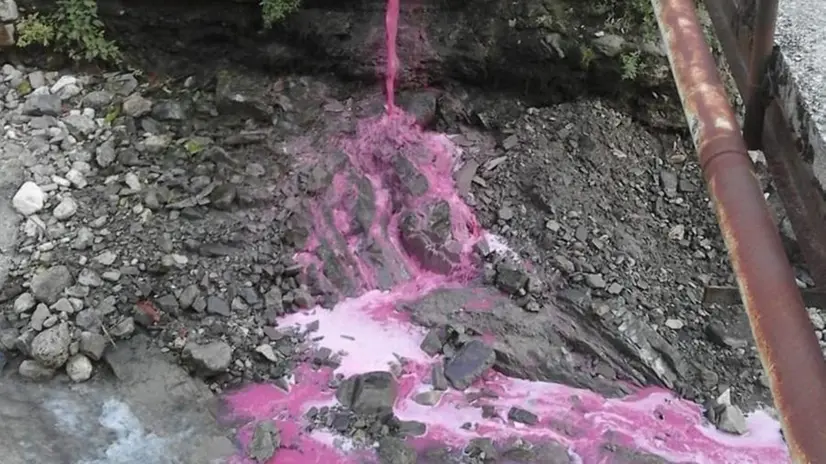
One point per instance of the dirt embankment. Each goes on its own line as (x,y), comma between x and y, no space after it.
(548,51)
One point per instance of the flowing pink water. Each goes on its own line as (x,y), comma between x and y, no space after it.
(391,30)
(371,334)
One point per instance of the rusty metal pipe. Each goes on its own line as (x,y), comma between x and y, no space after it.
(784,336)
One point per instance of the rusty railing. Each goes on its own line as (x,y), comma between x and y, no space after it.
(784,336)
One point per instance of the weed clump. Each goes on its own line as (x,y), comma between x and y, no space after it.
(74,28)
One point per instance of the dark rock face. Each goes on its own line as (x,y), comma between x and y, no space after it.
(550,345)
(534,46)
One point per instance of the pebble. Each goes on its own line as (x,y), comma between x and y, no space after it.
(65,209)
(50,348)
(92,345)
(48,285)
(267,352)
(106,258)
(265,441)
(674,324)
(595,281)
(41,313)
(211,358)
(24,302)
(136,106)
(31,370)
(79,368)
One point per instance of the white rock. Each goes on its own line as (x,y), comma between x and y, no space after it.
(29,199)
(65,209)
(267,352)
(37,79)
(674,324)
(24,303)
(132,181)
(62,83)
(79,368)
(39,317)
(76,178)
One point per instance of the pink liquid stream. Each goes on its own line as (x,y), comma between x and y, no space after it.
(372,335)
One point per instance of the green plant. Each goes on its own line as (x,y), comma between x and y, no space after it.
(74,28)
(631,65)
(587,56)
(273,11)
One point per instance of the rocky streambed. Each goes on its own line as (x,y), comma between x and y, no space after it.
(499,283)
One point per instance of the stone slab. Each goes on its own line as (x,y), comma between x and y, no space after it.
(11,177)
(154,412)
(801,37)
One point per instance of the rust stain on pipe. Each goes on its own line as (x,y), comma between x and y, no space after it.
(785,337)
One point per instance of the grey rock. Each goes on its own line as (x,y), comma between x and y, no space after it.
(92,345)
(106,258)
(39,317)
(24,302)
(266,439)
(370,393)
(88,319)
(8,339)
(669,183)
(168,110)
(89,278)
(105,154)
(29,199)
(242,95)
(79,125)
(50,348)
(136,106)
(428,398)
(522,416)
(188,296)
(595,281)
(65,209)
(31,370)
(168,304)
(733,421)
(63,305)
(122,85)
(434,341)
(98,99)
(510,278)
(37,79)
(8,11)
(84,239)
(211,358)
(395,451)
(123,329)
(609,44)
(79,368)
(437,377)
(217,306)
(42,104)
(470,362)
(48,285)
(273,301)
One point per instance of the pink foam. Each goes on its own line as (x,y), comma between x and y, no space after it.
(374,336)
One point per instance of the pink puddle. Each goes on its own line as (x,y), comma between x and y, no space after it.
(372,336)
